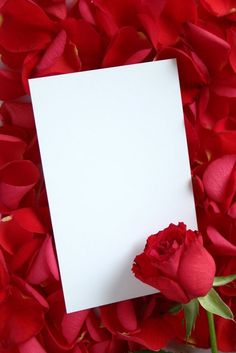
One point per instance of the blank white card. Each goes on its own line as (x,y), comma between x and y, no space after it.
(116,167)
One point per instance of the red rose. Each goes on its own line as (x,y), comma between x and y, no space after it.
(175,262)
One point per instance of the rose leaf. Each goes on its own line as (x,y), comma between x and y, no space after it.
(213,303)
(221,281)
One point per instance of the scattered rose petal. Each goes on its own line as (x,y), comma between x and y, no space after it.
(17,178)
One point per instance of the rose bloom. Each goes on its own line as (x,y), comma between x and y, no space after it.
(175,262)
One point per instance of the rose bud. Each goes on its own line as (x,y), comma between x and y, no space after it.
(175,262)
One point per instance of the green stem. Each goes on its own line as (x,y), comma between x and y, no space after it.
(212,331)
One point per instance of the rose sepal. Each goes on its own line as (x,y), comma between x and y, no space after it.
(223,280)
(213,303)
(191,311)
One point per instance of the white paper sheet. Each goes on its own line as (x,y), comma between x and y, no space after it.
(116,167)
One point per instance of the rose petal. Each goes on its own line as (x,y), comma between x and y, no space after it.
(12,236)
(25,254)
(16,180)
(72,323)
(28,219)
(87,41)
(4,276)
(10,85)
(174,15)
(30,346)
(128,47)
(21,317)
(54,51)
(219,7)
(11,148)
(220,245)
(44,264)
(225,330)
(213,50)
(30,291)
(216,177)
(231,36)
(34,29)
(96,330)
(191,74)
(192,273)
(21,114)
(126,315)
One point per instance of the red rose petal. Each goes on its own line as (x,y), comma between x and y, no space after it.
(54,8)
(219,244)
(31,346)
(190,72)
(11,86)
(126,315)
(44,264)
(51,260)
(34,29)
(216,177)
(11,148)
(21,114)
(97,332)
(25,254)
(224,85)
(4,277)
(16,180)
(54,51)
(232,211)
(219,7)
(231,36)
(87,41)
(192,273)
(72,323)
(170,289)
(68,62)
(30,291)
(174,15)
(22,317)
(12,236)
(86,11)
(225,331)
(128,47)
(28,219)
(155,333)
(213,50)
(112,15)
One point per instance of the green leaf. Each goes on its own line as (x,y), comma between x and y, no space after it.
(191,311)
(221,281)
(213,303)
